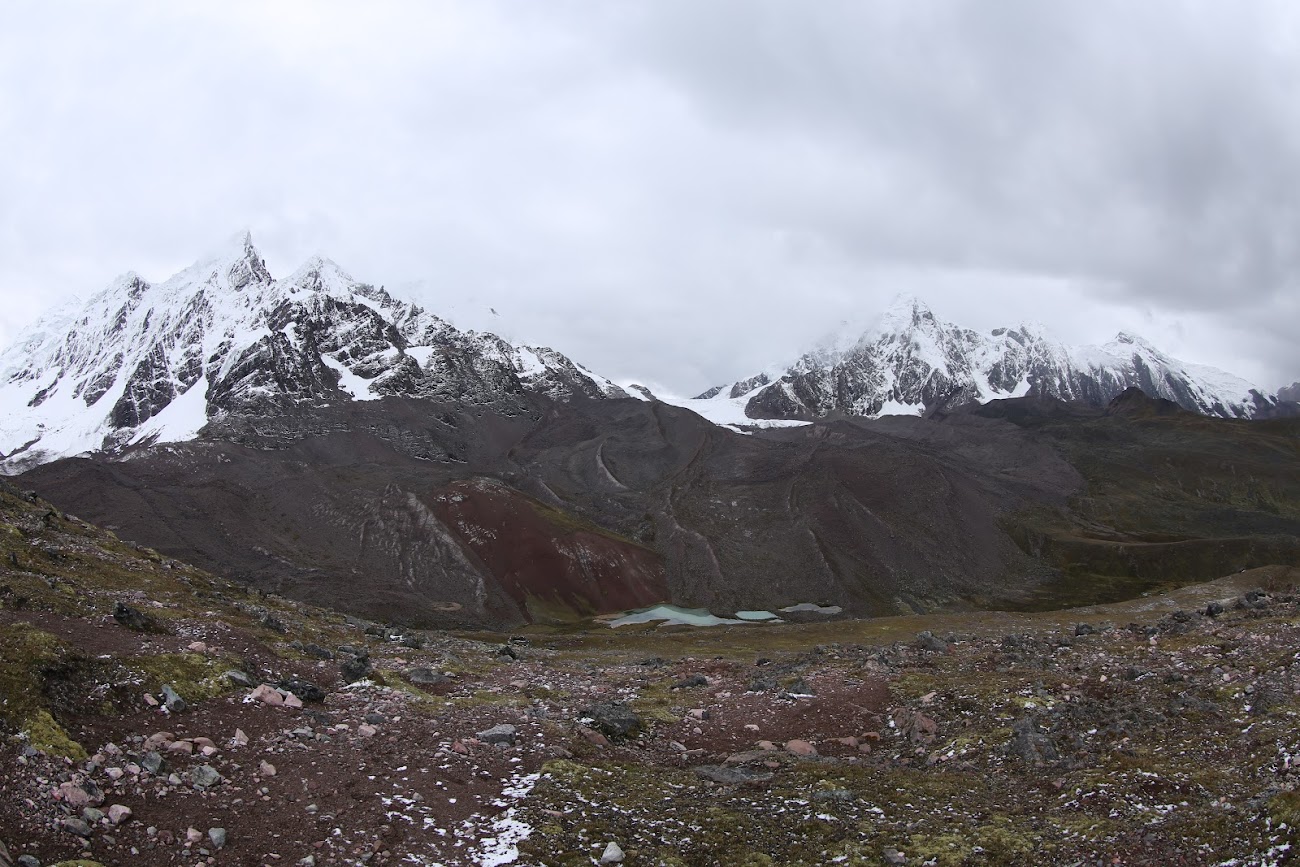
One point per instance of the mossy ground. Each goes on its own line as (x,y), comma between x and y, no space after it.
(61,569)
(27,657)
(194,676)
(1169,747)
(1172,747)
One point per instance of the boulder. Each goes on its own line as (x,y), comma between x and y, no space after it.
(172,700)
(614,719)
(152,761)
(800,687)
(205,776)
(425,676)
(313,650)
(132,618)
(267,694)
(732,776)
(498,734)
(79,795)
(1030,744)
(928,641)
(80,827)
(304,689)
(356,668)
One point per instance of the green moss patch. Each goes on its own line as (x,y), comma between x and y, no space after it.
(43,733)
(194,676)
(27,656)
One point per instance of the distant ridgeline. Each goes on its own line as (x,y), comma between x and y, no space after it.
(314,436)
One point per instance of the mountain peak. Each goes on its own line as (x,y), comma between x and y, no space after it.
(234,264)
(318,266)
(1128,337)
(904,312)
(154,363)
(237,248)
(912,362)
(907,301)
(1126,340)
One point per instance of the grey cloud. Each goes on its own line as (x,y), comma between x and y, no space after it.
(1149,145)
(681,191)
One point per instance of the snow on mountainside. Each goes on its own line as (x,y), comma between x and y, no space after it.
(145,361)
(910,362)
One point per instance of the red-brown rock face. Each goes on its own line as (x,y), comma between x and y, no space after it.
(548,562)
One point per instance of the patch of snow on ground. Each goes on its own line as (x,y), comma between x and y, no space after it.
(728,412)
(357,386)
(421,354)
(529,363)
(181,419)
(500,843)
(893,407)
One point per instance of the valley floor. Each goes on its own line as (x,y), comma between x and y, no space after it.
(1149,732)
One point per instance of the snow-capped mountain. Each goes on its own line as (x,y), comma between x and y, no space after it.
(911,362)
(145,361)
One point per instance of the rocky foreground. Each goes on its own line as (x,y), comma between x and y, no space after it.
(156,715)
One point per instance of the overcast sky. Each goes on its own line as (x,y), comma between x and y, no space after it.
(680,192)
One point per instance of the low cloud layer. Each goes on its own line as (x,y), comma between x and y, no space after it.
(680,192)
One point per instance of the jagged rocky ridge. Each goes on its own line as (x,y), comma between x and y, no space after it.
(223,338)
(912,362)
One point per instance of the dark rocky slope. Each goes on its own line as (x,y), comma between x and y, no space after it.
(420,512)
